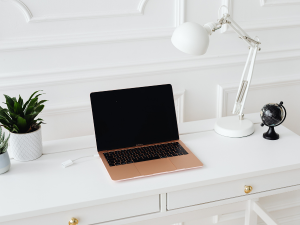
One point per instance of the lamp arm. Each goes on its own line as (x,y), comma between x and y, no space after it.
(249,67)
(245,82)
(226,19)
(242,34)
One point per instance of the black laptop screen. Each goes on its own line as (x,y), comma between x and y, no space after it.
(132,117)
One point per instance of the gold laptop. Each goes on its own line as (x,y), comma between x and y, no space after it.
(136,132)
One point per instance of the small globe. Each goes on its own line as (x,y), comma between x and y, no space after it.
(272,114)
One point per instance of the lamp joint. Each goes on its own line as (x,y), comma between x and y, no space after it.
(241,116)
(251,40)
(224,20)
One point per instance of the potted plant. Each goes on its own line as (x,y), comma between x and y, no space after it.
(19,119)
(4,157)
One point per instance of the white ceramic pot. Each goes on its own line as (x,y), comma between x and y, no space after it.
(4,162)
(26,147)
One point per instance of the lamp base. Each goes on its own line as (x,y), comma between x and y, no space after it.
(232,126)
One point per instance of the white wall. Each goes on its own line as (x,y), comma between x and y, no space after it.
(71,48)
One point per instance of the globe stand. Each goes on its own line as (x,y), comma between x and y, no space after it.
(271,134)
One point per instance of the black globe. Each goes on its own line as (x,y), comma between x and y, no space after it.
(272,114)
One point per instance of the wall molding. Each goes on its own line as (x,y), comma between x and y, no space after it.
(268,24)
(92,38)
(86,39)
(23,8)
(228,10)
(77,107)
(224,90)
(135,69)
(141,6)
(119,36)
(278,2)
(179,104)
(179,12)
(29,17)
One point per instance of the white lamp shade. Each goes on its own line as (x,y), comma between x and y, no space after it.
(191,38)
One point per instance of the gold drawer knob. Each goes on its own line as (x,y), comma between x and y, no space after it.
(73,221)
(247,189)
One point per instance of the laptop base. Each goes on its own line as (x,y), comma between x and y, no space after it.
(152,167)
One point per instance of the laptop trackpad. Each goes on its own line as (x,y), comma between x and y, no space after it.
(155,166)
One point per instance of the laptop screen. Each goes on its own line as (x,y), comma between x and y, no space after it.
(133,117)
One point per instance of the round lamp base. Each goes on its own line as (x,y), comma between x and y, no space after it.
(232,126)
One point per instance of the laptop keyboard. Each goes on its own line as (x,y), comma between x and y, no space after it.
(147,153)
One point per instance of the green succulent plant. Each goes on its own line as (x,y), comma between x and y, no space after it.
(3,142)
(19,117)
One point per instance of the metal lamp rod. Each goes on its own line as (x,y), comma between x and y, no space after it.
(249,66)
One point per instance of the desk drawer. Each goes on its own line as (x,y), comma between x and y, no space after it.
(216,192)
(96,214)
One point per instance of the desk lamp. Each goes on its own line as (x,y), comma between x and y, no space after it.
(192,38)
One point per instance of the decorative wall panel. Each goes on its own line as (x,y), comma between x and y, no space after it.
(86,17)
(70,10)
(261,92)
(278,2)
(284,14)
(71,48)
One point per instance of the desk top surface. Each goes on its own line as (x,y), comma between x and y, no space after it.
(43,186)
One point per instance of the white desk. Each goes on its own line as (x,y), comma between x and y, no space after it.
(41,192)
